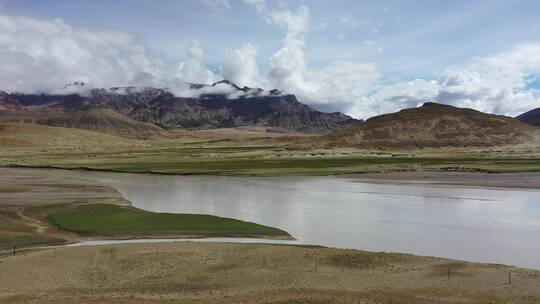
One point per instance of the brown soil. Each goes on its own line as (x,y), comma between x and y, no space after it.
(436,125)
(253,273)
(38,187)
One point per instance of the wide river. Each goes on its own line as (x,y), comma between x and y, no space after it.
(468,223)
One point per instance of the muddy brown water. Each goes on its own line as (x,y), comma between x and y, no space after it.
(468,223)
(491,225)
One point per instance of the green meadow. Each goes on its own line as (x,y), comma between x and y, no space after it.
(125,221)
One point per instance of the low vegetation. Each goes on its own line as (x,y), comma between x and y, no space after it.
(15,233)
(356,259)
(242,152)
(208,273)
(123,221)
(204,161)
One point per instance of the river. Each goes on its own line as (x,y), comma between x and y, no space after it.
(468,223)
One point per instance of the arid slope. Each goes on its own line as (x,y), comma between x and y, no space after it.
(20,136)
(435,125)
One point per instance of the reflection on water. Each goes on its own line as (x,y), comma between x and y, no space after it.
(498,226)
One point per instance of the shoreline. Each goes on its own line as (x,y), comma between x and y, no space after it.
(489,180)
(517,180)
(240,240)
(465,179)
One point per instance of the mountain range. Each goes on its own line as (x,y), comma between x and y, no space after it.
(134,112)
(140,112)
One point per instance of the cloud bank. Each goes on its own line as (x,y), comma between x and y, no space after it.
(45,55)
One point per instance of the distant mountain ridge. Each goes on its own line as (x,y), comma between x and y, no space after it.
(532,117)
(435,125)
(158,108)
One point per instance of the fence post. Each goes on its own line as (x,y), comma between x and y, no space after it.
(509,278)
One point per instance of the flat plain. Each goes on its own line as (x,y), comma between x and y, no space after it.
(187,272)
(247,152)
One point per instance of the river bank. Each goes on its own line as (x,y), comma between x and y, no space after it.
(52,207)
(190,272)
(102,271)
(515,180)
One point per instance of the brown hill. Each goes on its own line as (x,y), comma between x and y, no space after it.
(531,117)
(9,103)
(435,125)
(32,136)
(94,119)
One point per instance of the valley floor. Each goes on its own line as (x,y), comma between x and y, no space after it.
(189,272)
(239,273)
(240,152)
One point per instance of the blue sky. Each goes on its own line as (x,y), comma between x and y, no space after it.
(404,40)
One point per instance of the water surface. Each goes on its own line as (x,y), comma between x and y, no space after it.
(474,224)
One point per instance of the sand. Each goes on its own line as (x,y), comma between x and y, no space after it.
(26,187)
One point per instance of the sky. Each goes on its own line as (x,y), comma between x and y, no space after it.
(363,58)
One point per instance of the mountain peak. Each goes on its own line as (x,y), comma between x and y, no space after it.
(228,82)
(436,125)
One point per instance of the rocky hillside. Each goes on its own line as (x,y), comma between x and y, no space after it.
(221,105)
(531,117)
(435,125)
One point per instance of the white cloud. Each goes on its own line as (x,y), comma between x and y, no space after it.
(44,56)
(496,84)
(336,86)
(395,96)
(241,67)
(492,84)
(193,69)
(185,90)
(40,56)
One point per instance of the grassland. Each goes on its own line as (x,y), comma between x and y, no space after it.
(248,152)
(15,232)
(204,273)
(124,221)
(262,160)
